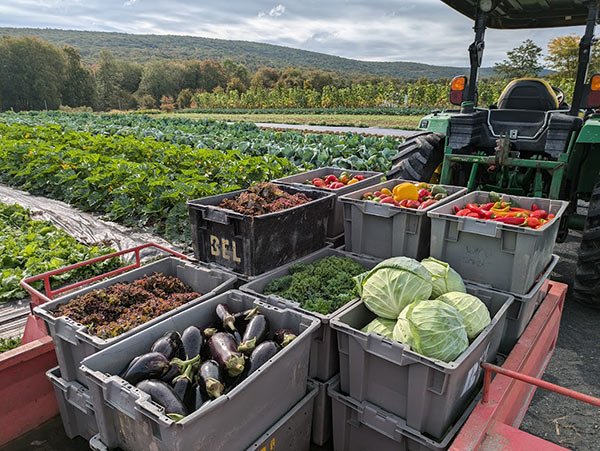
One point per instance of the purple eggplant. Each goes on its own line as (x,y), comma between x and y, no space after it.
(284,337)
(209,332)
(242,318)
(224,350)
(237,337)
(263,352)
(152,365)
(192,342)
(133,361)
(225,316)
(256,331)
(165,347)
(163,395)
(210,378)
(183,387)
(200,397)
(171,374)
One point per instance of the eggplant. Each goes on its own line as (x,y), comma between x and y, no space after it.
(284,337)
(184,389)
(152,365)
(192,342)
(171,374)
(200,397)
(170,345)
(225,316)
(256,331)
(242,318)
(209,332)
(166,347)
(163,395)
(262,353)
(237,337)
(133,361)
(224,350)
(210,378)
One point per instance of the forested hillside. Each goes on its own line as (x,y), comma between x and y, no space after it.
(142,48)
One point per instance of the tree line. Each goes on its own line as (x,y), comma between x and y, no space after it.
(36,75)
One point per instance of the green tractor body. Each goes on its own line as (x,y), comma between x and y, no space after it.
(532,142)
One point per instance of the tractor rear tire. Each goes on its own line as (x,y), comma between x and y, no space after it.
(587,275)
(418,158)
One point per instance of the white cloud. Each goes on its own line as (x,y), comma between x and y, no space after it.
(130,2)
(277,11)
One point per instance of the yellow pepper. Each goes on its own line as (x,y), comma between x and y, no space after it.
(406,191)
(386,191)
(353,181)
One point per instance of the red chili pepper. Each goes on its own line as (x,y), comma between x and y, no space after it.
(488,206)
(533,222)
(511,220)
(464,212)
(488,214)
(524,210)
(475,209)
(539,213)
(550,216)
(473,215)
(427,203)
(534,207)
(331,178)
(456,209)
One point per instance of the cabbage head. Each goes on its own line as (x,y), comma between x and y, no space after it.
(392,285)
(433,329)
(474,313)
(381,326)
(445,279)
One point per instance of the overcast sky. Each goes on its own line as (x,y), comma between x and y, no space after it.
(424,31)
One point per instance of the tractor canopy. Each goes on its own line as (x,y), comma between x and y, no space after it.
(514,14)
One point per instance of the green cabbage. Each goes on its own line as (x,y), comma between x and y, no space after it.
(392,285)
(474,313)
(433,329)
(445,279)
(381,326)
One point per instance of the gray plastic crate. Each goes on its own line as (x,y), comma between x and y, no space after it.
(321,420)
(506,257)
(523,308)
(74,405)
(335,225)
(384,230)
(72,341)
(292,432)
(253,245)
(324,359)
(128,419)
(361,426)
(428,393)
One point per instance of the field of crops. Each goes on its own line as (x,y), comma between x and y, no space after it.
(30,247)
(140,170)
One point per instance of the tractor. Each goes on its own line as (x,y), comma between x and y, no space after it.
(531,142)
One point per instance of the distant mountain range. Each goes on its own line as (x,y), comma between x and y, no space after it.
(144,47)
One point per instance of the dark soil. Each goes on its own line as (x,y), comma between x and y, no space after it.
(575,364)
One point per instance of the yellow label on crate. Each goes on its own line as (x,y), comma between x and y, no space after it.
(271,446)
(225,248)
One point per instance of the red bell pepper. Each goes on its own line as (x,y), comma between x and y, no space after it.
(533,222)
(427,203)
(473,215)
(534,207)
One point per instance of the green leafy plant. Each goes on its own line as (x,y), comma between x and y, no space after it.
(29,247)
(6,344)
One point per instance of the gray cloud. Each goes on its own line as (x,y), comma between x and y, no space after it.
(424,31)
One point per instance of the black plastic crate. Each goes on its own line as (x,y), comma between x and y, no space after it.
(253,245)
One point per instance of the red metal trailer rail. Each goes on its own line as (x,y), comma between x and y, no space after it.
(494,424)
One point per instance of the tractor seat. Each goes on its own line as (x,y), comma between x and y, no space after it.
(531,94)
